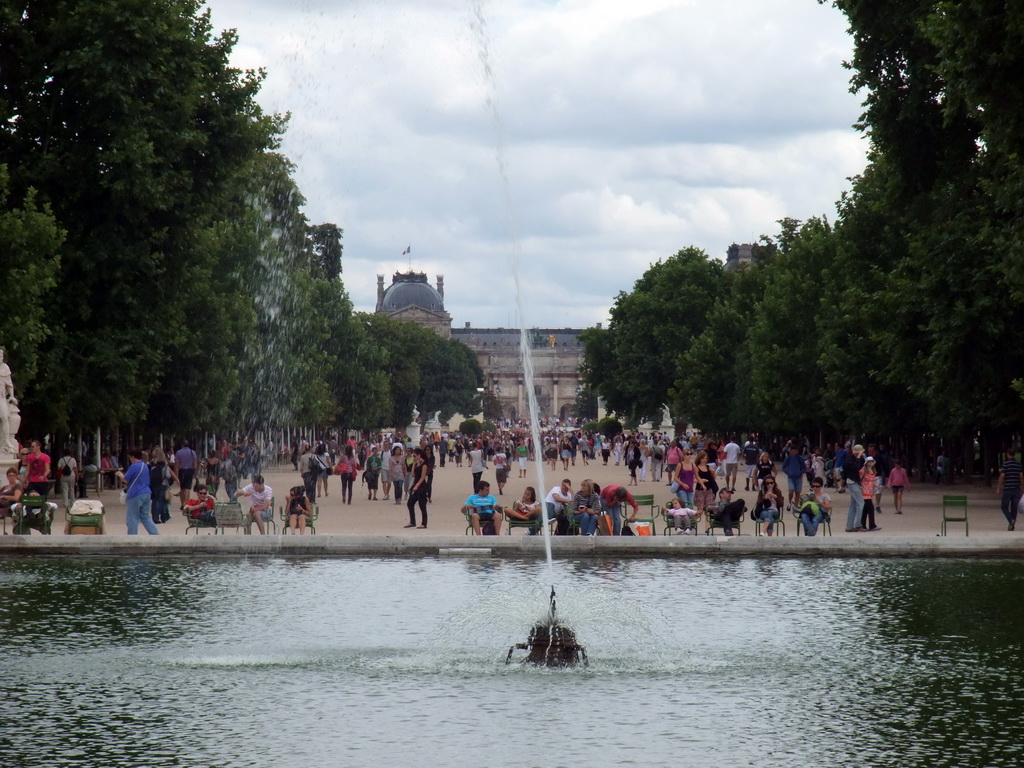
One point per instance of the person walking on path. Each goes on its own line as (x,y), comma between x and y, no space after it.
(477,464)
(139,499)
(185,464)
(418,489)
(1008,487)
(67,476)
(898,481)
(851,477)
(794,467)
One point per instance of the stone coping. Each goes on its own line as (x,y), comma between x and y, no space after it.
(231,545)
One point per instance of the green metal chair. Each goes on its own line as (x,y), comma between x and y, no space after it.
(825,525)
(314,513)
(758,522)
(648,511)
(670,521)
(85,516)
(192,524)
(32,512)
(712,522)
(486,528)
(511,522)
(229,515)
(267,521)
(954,510)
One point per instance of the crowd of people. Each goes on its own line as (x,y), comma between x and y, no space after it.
(700,472)
(147,478)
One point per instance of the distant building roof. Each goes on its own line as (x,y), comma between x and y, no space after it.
(410,289)
(739,255)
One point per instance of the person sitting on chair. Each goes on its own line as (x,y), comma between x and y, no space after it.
(10,494)
(526,508)
(483,508)
(685,518)
(586,507)
(728,512)
(816,507)
(200,507)
(556,502)
(261,495)
(32,517)
(298,509)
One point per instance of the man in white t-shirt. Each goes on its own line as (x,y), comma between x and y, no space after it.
(262,496)
(732,458)
(558,499)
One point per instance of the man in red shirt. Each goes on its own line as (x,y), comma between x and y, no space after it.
(201,507)
(38,477)
(612,498)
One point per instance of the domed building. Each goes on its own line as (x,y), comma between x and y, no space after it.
(557,352)
(410,297)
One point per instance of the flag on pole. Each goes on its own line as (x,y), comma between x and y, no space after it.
(407,251)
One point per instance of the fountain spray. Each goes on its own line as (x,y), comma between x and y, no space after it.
(550,643)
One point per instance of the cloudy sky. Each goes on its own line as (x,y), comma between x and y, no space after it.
(585,139)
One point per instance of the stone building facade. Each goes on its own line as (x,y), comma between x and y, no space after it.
(556,352)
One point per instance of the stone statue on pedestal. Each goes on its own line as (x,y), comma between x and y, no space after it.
(666,416)
(413,430)
(10,414)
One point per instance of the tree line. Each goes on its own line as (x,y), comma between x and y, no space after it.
(900,315)
(157,266)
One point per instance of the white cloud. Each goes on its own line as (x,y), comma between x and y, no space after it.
(630,130)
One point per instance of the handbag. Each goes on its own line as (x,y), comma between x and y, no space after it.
(122,497)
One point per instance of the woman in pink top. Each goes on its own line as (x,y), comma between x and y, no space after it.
(685,482)
(898,480)
(672,458)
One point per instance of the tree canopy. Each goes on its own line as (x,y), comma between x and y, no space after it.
(165,272)
(899,316)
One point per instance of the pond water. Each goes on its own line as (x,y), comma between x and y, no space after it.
(377,662)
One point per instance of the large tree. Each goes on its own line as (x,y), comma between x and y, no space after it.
(925,287)
(30,242)
(449,379)
(130,122)
(633,363)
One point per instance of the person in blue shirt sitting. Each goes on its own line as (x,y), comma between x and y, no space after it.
(483,509)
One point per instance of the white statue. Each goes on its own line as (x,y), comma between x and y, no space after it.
(13,424)
(666,416)
(436,418)
(10,414)
(415,415)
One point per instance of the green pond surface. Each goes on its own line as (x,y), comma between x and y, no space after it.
(396,662)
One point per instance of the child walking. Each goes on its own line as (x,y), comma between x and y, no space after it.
(868,480)
(898,481)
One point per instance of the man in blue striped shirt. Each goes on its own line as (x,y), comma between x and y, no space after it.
(1009,487)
